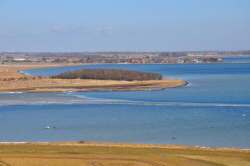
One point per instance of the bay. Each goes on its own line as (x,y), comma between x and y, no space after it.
(213,110)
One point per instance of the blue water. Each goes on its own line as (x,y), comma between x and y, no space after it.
(169,70)
(213,110)
(208,83)
(210,126)
(236,59)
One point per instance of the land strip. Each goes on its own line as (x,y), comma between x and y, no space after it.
(12,80)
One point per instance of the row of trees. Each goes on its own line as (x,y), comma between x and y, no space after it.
(109,74)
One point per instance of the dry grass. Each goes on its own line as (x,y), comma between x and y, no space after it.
(86,154)
(34,84)
(11,71)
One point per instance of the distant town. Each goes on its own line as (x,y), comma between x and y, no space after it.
(120,57)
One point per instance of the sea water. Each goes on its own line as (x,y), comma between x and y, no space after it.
(213,110)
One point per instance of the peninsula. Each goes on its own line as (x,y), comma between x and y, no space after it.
(12,80)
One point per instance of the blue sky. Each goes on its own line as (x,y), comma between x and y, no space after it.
(124,25)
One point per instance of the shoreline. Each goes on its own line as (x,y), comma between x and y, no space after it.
(91,86)
(12,79)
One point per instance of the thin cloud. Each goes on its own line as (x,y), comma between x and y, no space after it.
(105,30)
(100,31)
(68,29)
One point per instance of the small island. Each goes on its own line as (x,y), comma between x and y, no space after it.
(84,80)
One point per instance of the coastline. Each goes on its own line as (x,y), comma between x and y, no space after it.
(132,145)
(13,80)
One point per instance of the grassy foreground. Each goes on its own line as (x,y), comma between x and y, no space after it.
(118,155)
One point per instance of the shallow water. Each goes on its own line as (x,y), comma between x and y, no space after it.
(210,126)
(213,110)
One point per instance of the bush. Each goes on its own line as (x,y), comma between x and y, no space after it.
(109,74)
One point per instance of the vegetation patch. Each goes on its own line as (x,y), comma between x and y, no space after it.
(109,74)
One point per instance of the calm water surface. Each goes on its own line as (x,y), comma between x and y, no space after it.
(213,110)
(236,59)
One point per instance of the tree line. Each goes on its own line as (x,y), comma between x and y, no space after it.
(109,74)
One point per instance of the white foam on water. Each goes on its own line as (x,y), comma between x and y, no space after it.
(118,101)
(83,99)
(94,98)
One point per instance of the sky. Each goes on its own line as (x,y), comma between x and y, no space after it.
(124,25)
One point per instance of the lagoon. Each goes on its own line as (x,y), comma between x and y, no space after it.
(213,110)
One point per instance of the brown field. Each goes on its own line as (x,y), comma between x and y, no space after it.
(12,80)
(11,70)
(94,154)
